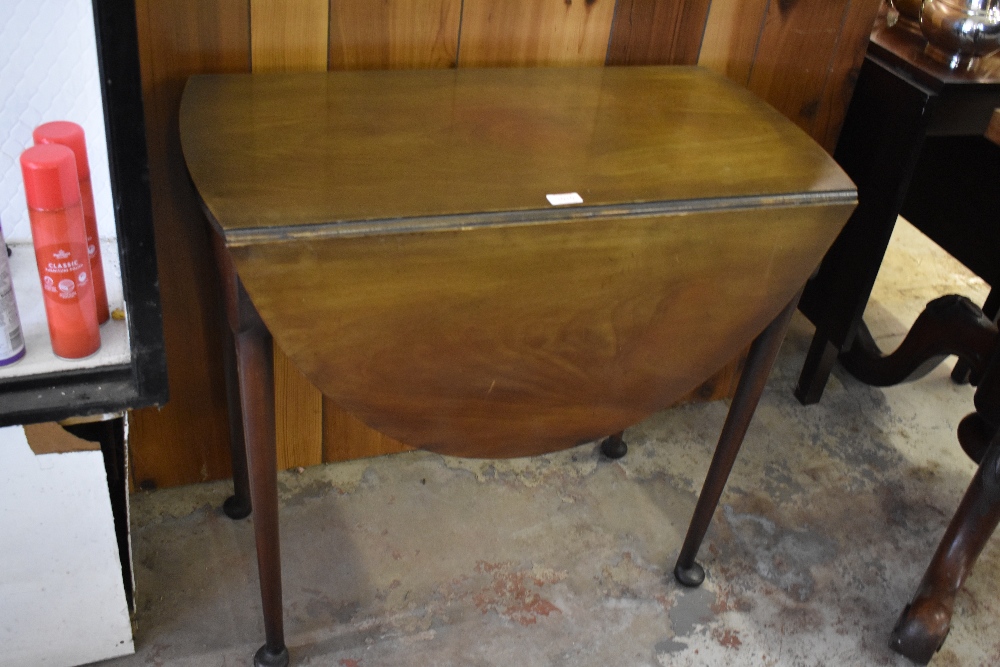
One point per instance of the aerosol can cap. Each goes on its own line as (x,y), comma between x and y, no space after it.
(50,178)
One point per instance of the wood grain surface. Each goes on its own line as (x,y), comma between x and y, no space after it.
(535,32)
(292,37)
(845,64)
(459,313)
(810,30)
(345,437)
(187,440)
(512,341)
(289,36)
(657,32)
(393,34)
(482,142)
(732,34)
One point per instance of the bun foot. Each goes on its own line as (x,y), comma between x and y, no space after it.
(691,576)
(236,508)
(614,447)
(921,630)
(265,657)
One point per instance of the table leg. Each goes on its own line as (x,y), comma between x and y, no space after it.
(879,148)
(237,506)
(255,362)
(758,366)
(614,446)
(960,374)
(816,369)
(925,622)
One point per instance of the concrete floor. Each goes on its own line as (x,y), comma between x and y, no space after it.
(830,516)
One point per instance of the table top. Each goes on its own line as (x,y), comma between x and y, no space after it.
(393,231)
(369,152)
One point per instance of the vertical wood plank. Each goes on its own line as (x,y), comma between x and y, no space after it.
(732,32)
(535,32)
(292,37)
(657,32)
(298,416)
(289,36)
(393,34)
(795,55)
(848,56)
(346,437)
(188,439)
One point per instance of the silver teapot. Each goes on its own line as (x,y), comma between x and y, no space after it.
(958,31)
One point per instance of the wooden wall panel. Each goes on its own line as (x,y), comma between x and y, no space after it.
(792,66)
(289,36)
(657,32)
(292,37)
(346,437)
(535,32)
(845,65)
(298,416)
(393,34)
(732,33)
(187,440)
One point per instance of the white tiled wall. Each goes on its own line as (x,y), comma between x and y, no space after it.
(48,71)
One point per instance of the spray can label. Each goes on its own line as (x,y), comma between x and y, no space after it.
(65,271)
(11,338)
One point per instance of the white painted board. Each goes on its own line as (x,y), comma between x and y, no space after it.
(62,600)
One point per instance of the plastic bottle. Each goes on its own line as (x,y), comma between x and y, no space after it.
(11,338)
(71,135)
(52,189)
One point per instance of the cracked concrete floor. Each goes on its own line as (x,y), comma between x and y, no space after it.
(825,528)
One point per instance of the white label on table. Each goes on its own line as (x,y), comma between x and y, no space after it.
(564,198)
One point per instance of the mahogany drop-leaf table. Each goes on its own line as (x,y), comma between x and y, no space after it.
(502,262)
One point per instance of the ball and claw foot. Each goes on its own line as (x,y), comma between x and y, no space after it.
(920,631)
(235,509)
(265,657)
(690,576)
(614,447)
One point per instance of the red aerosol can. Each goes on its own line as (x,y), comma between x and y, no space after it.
(71,136)
(52,189)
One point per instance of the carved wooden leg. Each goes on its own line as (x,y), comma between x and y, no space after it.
(256,377)
(816,369)
(950,324)
(759,361)
(960,374)
(614,447)
(925,622)
(237,506)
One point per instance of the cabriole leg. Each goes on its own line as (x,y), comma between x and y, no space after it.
(925,622)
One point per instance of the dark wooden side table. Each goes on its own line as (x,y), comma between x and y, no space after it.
(911,122)
(503,262)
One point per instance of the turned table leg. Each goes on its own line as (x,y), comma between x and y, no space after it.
(255,362)
(614,446)
(237,506)
(759,361)
(925,622)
